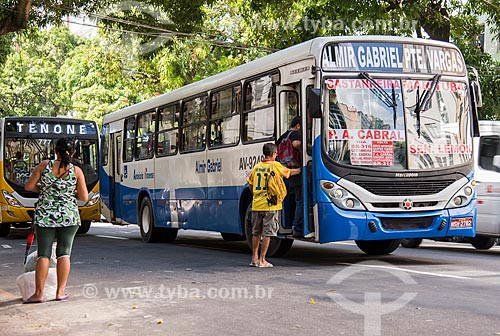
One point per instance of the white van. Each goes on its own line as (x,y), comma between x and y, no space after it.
(487,176)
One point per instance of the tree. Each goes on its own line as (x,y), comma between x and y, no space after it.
(204,37)
(16,15)
(465,34)
(98,77)
(30,75)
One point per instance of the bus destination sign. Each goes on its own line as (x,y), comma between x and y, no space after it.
(393,57)
(51,127)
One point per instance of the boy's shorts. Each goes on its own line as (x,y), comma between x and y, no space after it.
(265,223)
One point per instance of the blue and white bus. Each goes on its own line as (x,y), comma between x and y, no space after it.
(387,146)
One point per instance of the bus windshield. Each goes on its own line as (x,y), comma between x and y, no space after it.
(22,155)
(397,124)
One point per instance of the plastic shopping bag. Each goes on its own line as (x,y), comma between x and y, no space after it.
(26,284)
(30,264)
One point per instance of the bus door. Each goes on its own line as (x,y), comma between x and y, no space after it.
(288,106)
(309,133)
(116,178)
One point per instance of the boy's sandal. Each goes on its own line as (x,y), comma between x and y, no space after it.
(266,265)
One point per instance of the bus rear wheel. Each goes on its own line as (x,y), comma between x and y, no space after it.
(378,247)
(411,242)
(4,230)
(149,232)
(84,227)
(277,247)
(483,243)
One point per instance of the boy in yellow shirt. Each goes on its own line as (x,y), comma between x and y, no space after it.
(264,215)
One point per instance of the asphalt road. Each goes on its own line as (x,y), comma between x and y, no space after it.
(202,285)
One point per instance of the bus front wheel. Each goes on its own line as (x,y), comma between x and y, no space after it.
(411,242)
(4,230)
(149,232)
(84,227)
(277,247)
(378,247)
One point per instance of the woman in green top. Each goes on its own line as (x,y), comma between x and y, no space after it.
(60,184)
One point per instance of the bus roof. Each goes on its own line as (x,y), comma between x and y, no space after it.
(38,118)
(48,127)
(304,50)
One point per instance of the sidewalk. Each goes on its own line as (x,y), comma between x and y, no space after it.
(76,316)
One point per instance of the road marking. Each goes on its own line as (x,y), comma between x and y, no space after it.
(112,237)
(412,271)
(5,246)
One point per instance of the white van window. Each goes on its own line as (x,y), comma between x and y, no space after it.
(489,147)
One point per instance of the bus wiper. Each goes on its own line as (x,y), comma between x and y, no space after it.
(424,101)
(37,145)
(382,94)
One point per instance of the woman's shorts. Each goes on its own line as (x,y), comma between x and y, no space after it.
(45,236)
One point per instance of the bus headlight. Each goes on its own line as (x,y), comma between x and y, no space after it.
(93,200)
(463,196)
(458,201)
(340,196)
(11,200)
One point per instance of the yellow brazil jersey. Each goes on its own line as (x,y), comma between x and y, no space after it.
(258,178)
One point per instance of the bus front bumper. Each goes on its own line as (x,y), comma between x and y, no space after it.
(336,224)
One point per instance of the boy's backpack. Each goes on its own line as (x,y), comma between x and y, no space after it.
(275,186)
(287,155)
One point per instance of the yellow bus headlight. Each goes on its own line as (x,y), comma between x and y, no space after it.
(11,200)
(93,200)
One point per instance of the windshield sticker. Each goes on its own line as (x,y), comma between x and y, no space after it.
(421,149)
(387,84)
(366,134)
(372,153)
(369,147)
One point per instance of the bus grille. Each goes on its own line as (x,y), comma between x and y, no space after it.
(404,188)
(397,224)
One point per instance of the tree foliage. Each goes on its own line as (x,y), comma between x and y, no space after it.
(125,64)
(21,14)
(30,74)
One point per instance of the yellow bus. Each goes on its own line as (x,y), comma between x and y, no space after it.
(24,143)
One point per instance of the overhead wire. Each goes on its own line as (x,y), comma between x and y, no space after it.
(162,31)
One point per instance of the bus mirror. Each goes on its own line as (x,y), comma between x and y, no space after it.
(314,103)
(476,94)
(477,104)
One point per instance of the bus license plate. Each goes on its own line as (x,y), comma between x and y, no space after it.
(461,222)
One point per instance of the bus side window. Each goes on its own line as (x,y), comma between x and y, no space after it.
(193,128)
(129,140)
(259,103)
(224,117)
(168,135)
(145,139)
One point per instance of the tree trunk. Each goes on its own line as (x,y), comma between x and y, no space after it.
(438,32)
(17,18)
(436,21)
